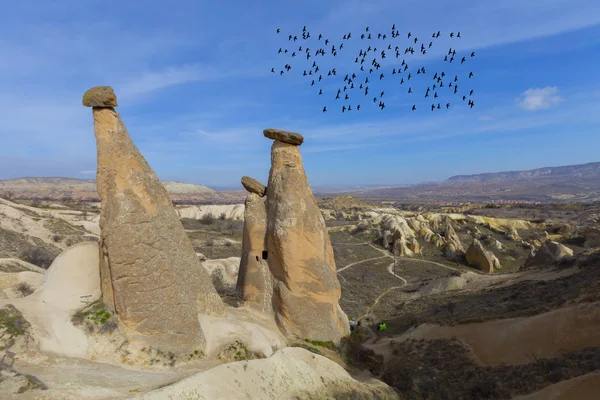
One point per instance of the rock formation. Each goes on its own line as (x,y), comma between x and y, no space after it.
(453,248)
(254,281)
(387,239)
(150,273)
(284,136)
(547,255)
(592,237)
(306,290)
(254,186)
(513,234)
(480,258)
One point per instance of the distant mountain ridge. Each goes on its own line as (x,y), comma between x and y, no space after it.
(582,171)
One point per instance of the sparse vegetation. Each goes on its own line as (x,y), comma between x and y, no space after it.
(354,353)
(207,219)
(238,351)
(443,369)
(12,325)
(95,318)
(24,288)
(327,344)
(37,256)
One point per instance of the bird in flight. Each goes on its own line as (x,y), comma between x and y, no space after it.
(376,65)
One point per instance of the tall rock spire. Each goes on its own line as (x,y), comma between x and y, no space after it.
(306,291)
(150,273)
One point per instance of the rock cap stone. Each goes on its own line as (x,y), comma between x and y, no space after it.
(284,136)
(100,96)
(254,186)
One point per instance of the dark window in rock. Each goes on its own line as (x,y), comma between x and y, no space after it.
(265,254)
(256,258)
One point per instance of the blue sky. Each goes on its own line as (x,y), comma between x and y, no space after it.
(195,90)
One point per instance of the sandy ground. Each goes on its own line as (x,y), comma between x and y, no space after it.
(75,378)
(16,219)
(517,340)
(74,273)
(584,387)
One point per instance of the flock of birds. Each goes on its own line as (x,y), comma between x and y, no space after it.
(440,80)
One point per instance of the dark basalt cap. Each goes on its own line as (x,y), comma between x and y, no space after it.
(100,96)
(284,136)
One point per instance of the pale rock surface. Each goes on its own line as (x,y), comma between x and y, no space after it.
(547,255)
(398,226)
(74,273)
(149,270)
(451,236)
(9,282)
(227,268)
(14,385)
(255,283)
(306,291)
(231,211)
(480,258)
(291,373)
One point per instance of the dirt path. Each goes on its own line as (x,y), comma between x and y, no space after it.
(358,262)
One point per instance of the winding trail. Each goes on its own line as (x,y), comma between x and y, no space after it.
(390,269)
(359,262)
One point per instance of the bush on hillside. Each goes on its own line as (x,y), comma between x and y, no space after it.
(37,256)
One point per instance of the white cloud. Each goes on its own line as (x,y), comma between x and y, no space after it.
(540,98)
(88,172)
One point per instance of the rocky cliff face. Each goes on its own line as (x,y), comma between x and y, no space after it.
(150,273)
(306,290)
(254,279)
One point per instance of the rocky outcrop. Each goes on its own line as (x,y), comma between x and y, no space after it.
(480,258)
(547,255)
(306,290)
(592,237)
(254,281)
(254,186)
(100,96)
(451,237)
(513,234)
(150,274)
(290,373)
(387,239)
(284,136)
(453,248)
(400,248)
